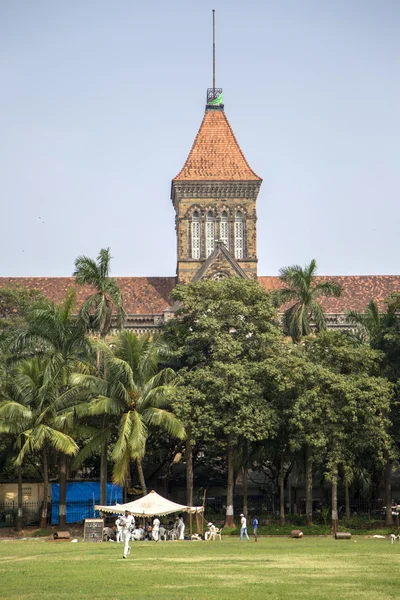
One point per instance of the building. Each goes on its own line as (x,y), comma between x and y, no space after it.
(215,200)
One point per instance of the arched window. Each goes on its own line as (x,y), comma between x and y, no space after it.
(239,242)
(209,233)
(196,235)
(224,229)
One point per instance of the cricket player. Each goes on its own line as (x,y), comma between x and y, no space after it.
(127,522)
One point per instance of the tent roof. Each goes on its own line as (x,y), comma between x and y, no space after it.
(150,505)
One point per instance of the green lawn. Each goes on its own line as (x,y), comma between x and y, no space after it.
(318,568)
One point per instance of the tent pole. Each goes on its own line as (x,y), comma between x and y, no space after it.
(204,507)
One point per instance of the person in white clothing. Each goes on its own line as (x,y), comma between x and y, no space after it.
(127,523)
(243,527)
(119,529)
(156,529)
(181,528)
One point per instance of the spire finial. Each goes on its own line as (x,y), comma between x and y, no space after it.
(214,94)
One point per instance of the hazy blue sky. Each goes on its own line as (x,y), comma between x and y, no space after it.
(100,102)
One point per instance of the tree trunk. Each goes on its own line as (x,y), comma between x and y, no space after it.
(189,471)
(309,485)
(282,492)
(245,490)
(103,475)
(141,476)
(62,507)
(388,490)
(229,520)
(19,500)
(335,521)
(347,499)
(43,521)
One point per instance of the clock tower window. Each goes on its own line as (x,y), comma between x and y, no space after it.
(209,233)
(239,242)
(224,229)
(196,235)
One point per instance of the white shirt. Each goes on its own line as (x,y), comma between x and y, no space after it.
(156,524)
(243,521)
(127,522)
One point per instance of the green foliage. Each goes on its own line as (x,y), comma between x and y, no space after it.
(299,295)
(133,392)
(96,311)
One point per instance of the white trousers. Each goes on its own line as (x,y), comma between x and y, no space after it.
(156,534)
(126,538)
(182,532)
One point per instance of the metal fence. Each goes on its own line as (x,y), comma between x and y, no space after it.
(268,506)
(258,505)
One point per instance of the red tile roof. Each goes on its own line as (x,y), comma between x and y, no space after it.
(216,154)
(358,290)
(141,295)
(151,295)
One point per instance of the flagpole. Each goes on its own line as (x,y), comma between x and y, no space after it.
(213,12)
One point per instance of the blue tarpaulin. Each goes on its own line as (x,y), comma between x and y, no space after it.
(81,498)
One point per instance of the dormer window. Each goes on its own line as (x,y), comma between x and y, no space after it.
(239,242)
(209,233)
(196,235)
(224,229)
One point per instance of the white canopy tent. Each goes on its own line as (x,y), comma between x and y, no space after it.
(149,506)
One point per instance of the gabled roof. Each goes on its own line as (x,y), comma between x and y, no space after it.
(220,260)
(216,154)
(151,295)
(141,295)
(357,291)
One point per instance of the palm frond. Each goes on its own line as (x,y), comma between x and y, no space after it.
(91,447)
(162,419)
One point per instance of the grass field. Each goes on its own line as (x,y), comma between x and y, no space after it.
(278,568)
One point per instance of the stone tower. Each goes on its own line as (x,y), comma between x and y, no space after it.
(214,196)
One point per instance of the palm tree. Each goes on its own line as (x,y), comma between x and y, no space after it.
(97,310)
(96,313)
(54,333)
(133,389)
(32,411)
(301,291)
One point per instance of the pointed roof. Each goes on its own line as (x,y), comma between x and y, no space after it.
(216,154)
(222,261)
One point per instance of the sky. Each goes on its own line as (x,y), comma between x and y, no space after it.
(101,101)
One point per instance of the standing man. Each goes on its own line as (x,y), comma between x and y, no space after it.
(156,529)
(243,527)
(255,529)
(118,528)
(181,528)
(127,523)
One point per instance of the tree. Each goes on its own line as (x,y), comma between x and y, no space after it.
(382,331)
(15,305)
(222,330)
(97,310)
(343,411)
(32,411)
(133,389)
(301,291)
(96,313)
(53,332)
